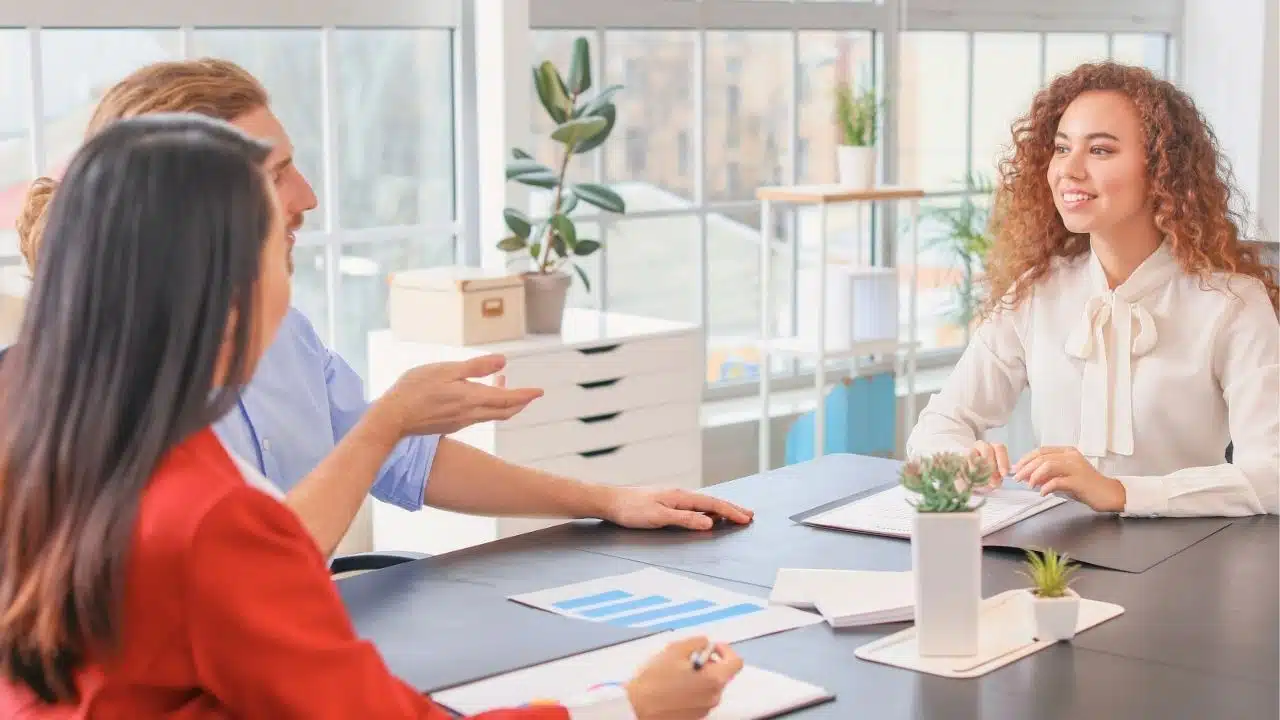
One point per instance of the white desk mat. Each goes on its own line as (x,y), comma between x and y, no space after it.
(1005,633)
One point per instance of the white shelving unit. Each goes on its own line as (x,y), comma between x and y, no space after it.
(819,347)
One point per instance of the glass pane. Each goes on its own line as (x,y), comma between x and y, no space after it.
(1064,51)
(1006,75)
(309,294)
(77,67)
(1145,50)
(364,269)
(579,296)
(827,60)
(557,46)
(946,294)
(653,268)
(933,99)
(287,62)
(748,91)
(733,289)
(652,142)
(394,118)
(16,169)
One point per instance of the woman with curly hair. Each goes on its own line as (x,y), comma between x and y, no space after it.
(1122,296)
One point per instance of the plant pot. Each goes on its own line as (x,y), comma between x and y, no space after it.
(946,556)
(857,166)
(545,295)
(1054,619)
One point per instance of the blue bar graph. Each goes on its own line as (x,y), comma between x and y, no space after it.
(662,612)
(714,615)
(625,606)
(589,600)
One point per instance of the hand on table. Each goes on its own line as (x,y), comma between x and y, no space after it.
(668,688)
(1065,470)
(647,509)
(441,398)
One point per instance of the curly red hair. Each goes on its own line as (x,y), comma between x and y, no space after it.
(1192,188)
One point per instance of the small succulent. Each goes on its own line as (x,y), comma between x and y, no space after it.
(945,482)
(1050,572)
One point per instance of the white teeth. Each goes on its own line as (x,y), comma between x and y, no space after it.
(1075,196)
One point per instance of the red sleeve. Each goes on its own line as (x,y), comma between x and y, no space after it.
(269,634)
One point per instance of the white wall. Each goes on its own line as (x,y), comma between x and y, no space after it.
(1270,184)
(1228,65)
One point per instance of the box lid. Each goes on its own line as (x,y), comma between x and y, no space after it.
(454,278)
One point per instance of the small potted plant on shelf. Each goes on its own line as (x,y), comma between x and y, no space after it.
(856,114)
(1055,607)
(946,550)
(582,125)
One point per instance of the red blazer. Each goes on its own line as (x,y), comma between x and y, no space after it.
(230,612)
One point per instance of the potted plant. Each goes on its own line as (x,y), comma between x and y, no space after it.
(946,550)
(856,114)
(967,238)
(1055,607)
(582,125)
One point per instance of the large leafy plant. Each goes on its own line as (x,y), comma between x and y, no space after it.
(856,115)
(1050,572)
(966,237)
(582,125)
(945,482)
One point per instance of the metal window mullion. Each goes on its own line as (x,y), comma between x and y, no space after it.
(792,213)
(1044,55)
(35,100)
(970,93)
(699,88)
(1111,45)
(599,168)
(466,150)
(186,38)
(329,170)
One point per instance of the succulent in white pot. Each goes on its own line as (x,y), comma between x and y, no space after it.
(856,124)
(1055,607)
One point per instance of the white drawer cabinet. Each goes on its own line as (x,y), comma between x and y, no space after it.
(620,406)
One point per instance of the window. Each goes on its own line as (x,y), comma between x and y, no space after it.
(802,159)
(16,168)
(683,152)
(830,61)
(733,177)
(733,116)
(635,151)
(933,121)
(1064,51)
(1148,51)
(765,59)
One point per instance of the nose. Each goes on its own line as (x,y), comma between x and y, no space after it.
(1073,166)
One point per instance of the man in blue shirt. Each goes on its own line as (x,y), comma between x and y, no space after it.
(303,419)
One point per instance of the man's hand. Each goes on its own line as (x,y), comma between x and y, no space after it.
(646,509)
(1065,470)
(441,398)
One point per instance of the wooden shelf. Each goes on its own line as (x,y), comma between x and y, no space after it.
(828,194)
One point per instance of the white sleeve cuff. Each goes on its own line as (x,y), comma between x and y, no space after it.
(607,702)
(1145,496)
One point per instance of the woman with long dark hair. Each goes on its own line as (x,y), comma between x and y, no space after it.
(143,572)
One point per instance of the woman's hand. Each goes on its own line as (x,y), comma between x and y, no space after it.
(1065,470)
(997,456)
(441,398)
(668,688)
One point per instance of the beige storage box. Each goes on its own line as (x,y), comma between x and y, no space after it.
(456,306)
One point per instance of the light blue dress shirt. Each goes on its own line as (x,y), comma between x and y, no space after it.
(301,402)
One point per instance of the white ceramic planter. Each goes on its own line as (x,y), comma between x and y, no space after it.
(857,166)
(946,556)
(1054,619)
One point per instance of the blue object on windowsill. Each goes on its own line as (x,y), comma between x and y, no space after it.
(861,418)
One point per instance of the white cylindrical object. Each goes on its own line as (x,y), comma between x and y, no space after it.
(856,165)
(946,557)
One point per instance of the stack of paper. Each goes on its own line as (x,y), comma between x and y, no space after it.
(848,598)
(889,512)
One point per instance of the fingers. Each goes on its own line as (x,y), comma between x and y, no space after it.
(477,367)
(1041,452)
(1048,470)
(685,500)
(686,519)
(502,397)
(727,667)
(684,648)
(992,454)
(1002,462)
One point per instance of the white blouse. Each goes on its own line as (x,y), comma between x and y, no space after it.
(1149,381)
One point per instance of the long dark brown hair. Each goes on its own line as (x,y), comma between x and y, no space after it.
(152,245)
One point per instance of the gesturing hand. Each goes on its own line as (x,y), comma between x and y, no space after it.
(441,398)
(1065,470)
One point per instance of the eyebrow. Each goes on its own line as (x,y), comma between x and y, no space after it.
(1091,136)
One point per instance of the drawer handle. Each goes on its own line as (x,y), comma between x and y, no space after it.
(598,384)
(599,349)
(600,418)
(601,451)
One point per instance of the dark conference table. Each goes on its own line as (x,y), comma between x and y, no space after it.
(1200,636)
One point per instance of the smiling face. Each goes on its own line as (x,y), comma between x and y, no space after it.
(1098,173)
(294,192)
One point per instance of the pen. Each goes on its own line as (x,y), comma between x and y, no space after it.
(700,659)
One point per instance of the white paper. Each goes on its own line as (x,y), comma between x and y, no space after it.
(754,693)
(890,513)
(846,598)
(658,600)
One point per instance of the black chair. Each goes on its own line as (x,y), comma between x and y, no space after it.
(371,561)
(1230,448)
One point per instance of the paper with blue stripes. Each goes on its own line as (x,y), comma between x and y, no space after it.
(659,600)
